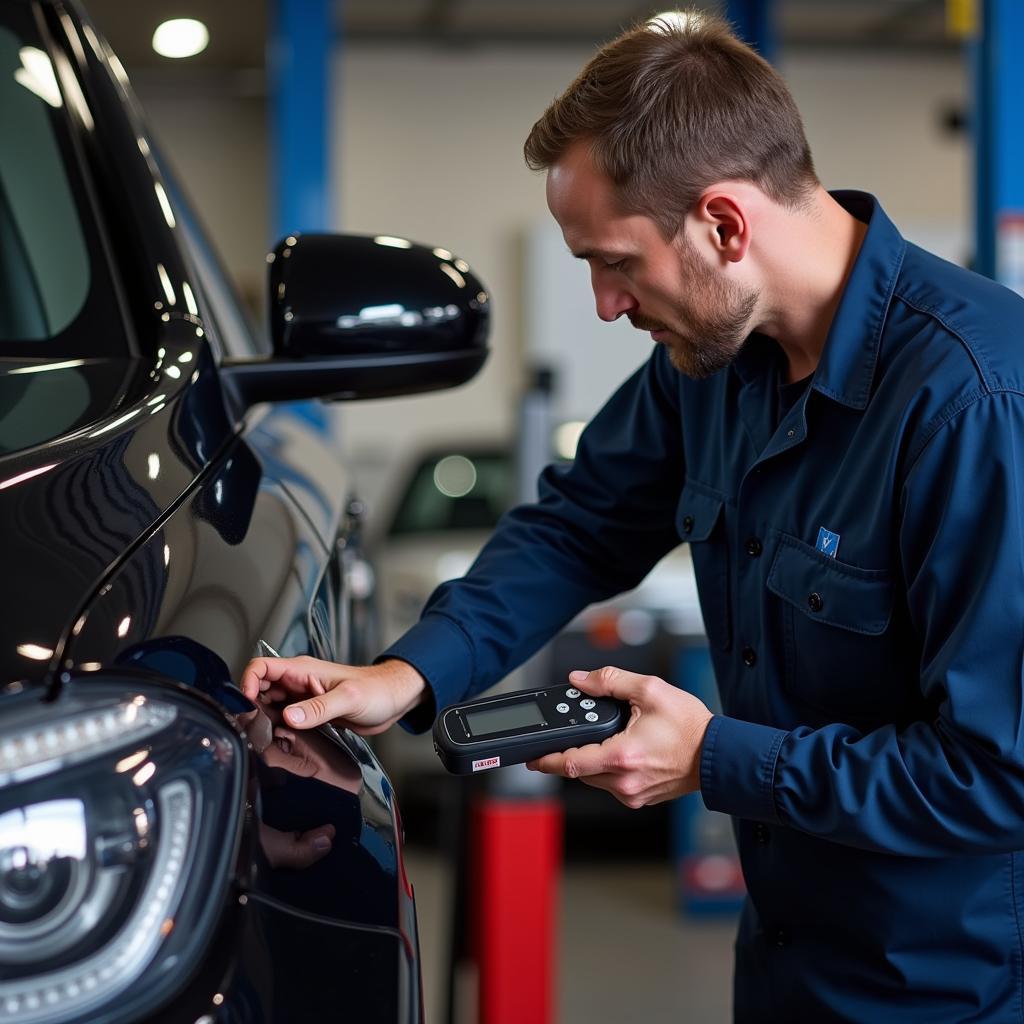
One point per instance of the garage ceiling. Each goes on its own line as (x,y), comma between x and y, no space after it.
(238,28)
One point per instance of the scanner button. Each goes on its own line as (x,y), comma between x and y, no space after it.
(573,693)
(591,716)
(563,708)
(587,704)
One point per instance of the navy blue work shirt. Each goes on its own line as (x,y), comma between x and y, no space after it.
(860,567)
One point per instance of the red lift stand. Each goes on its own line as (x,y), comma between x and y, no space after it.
(517,857)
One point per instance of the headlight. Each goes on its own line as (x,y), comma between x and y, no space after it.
(110,800)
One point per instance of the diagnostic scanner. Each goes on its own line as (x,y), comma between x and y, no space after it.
(515,727)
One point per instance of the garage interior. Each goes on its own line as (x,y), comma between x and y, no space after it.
(418,133)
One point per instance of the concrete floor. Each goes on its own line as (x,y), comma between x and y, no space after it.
(619,925)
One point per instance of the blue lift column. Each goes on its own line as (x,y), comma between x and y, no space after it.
(754,23)
(998,123)
(299,65)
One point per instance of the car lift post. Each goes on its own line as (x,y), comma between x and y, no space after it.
(994,30)
(302,44)
(754,23)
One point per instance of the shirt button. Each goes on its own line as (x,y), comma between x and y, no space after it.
(780,938)
(749,656)
(754,547)
(815,603)
(687,524)
(761,833)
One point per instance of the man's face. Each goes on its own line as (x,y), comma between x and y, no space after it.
(665,287)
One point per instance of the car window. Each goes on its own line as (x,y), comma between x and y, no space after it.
(456,492)
(56,293)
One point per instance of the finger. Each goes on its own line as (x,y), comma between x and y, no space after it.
(576,762)
(614,682)
(343,701)
(283,676)
(276,692)
(608,781)
(309,847)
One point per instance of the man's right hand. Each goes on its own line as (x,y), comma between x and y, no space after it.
(366,700)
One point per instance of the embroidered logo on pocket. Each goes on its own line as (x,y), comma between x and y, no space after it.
(828,542)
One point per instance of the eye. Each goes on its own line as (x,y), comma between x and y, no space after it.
(617,265)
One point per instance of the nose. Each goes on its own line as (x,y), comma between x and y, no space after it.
(611,299)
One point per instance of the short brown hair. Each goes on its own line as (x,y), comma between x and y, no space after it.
(672,106)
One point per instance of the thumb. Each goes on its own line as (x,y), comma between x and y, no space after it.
(309,847)
(341,702)
(613,682)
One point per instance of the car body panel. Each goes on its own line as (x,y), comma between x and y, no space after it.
(110,480)
(152,530)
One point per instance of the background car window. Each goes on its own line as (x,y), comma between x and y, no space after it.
(456,492)
(56,293)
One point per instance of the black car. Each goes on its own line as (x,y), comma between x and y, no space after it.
(172,504)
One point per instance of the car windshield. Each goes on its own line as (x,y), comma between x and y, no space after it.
(56,293)
(456,491)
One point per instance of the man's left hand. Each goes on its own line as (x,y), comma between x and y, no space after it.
(656,757)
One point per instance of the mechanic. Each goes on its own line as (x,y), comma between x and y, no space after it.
(834,420)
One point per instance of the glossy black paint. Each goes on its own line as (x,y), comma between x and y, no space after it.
(155,527)
(363,317)
(368,295)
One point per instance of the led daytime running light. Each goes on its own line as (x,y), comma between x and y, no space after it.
(79,737)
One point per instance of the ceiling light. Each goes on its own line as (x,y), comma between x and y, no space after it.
(180,37)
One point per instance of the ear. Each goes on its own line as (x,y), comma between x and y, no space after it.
(726,221)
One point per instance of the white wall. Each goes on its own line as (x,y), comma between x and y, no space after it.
(213,131)
(873,123)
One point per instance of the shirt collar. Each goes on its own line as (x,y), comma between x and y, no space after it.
(847,366)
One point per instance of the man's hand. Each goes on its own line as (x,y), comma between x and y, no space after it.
(366,700)
(656,757)
(296,850)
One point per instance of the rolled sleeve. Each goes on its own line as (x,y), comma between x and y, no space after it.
(737,768)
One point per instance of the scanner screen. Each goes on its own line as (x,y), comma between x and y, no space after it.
(508,716)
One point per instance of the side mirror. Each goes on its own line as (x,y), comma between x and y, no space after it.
(355,316)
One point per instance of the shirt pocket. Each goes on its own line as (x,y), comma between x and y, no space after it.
(700,522)
(839,654)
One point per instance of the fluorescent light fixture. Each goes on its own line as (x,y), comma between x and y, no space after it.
(180,37)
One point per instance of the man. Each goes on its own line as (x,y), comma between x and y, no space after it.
(834,420)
